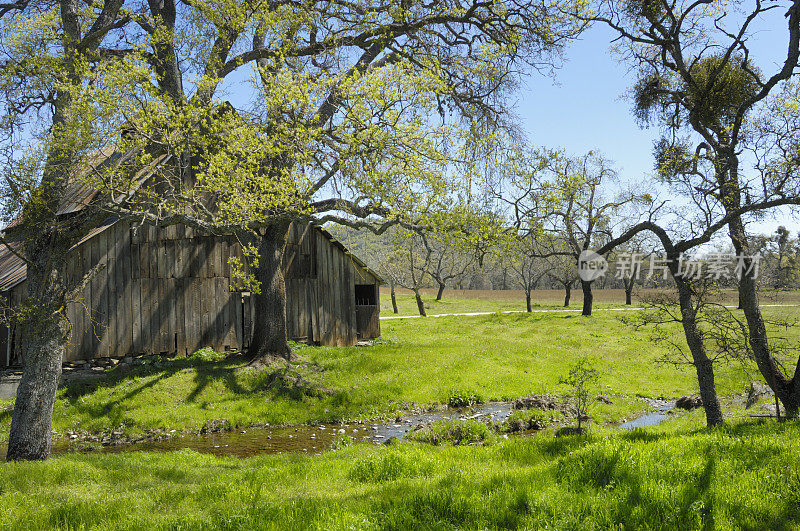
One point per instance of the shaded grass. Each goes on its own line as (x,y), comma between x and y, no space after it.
(741,476)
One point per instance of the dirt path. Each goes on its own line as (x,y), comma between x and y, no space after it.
(555,310)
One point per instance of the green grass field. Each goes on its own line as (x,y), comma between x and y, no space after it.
(465,301)
(742,476)
(497,356)
(678,475)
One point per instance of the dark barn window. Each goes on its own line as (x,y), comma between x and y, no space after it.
(365,295)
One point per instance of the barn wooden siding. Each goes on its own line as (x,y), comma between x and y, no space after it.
(320,290)
(167,290)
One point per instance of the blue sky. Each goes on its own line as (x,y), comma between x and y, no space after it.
(584,108)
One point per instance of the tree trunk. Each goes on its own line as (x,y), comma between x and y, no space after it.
(269,320)
(420,304)
(43,332)
(786,390)
(703,365)
(567,293)
(628,291)
(587,298)
(41,321)
(528,300)
(394,300)
(42,354)
(440,292)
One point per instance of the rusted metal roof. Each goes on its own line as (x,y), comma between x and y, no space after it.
(13,269)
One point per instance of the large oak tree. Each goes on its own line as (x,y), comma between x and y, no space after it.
(359,106)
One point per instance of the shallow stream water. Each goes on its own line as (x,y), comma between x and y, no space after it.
(649,419)
(246,442)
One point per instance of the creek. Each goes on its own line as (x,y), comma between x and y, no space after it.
(314,439)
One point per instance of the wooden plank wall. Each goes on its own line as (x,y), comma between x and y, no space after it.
(321,308)
(160,291)
(168,291)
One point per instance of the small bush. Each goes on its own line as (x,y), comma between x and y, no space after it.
(582,378)
(463,399)
(453,432)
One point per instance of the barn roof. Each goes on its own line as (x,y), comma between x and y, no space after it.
(78,196)
(12,268)
(347,252)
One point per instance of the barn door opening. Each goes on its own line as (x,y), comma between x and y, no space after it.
(367,310)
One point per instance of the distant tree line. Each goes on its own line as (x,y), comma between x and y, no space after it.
(420,261)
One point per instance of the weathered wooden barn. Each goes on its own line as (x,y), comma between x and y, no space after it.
(168,290)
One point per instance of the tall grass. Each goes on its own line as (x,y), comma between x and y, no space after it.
(742,476)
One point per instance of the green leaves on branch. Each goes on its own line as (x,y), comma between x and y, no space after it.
(673,158)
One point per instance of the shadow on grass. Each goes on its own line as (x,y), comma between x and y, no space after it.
(698,495)
(79,387)
(561,446)
(284,382)
(642,435)
(756,426)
